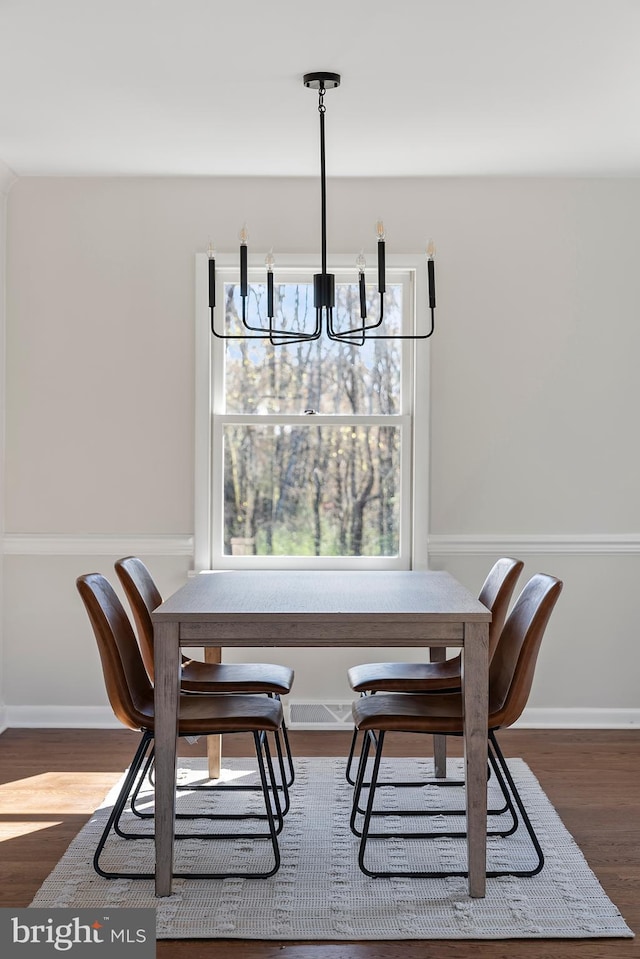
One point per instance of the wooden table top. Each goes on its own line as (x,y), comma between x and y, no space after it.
(326,595)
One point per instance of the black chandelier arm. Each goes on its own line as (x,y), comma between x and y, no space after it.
(245,321)
(355,336)
(298,338)
(403,336)
(267,333)
(234,336)
(348,341)
(357,331)
(289,336)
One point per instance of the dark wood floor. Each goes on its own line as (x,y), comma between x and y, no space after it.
(52,780)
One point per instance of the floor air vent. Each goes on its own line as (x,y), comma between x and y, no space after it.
(311,715)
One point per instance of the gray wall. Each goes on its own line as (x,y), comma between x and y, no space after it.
(534,399)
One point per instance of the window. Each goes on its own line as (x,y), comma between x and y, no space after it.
(310,448)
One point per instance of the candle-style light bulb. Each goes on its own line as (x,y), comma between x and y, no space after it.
(244,283)
(431,274)
(361,264)
(381,264)
(211,253)
(270,262)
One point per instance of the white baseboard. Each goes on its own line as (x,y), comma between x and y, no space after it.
(572,718)
(60,717)
(336,714)
(326,714)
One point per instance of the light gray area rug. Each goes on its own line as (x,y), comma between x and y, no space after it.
(319,892)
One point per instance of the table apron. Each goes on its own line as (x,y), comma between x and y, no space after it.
(307,633)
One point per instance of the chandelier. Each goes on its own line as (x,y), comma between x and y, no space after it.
(323,282)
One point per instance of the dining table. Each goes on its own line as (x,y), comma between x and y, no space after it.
(360,609)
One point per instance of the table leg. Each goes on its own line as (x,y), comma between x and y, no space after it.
(213,654)
(167,681)
(438,654)
(475,692)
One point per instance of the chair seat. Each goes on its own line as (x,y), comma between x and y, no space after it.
(238,714)
(235,678)
(405,677)
(204,715)
(409,712)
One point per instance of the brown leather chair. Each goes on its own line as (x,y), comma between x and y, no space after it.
(131,697)
(495,594)
(195,676)
(510,678)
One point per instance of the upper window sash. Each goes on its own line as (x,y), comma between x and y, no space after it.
(301,273)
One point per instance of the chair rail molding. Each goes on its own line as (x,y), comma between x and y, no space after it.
(567,543)
(92,544)
(101,544)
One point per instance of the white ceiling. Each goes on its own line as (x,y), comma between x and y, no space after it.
(214,87)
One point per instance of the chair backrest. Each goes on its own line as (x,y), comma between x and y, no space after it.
(128,687)
(496,595)
(143,597)
(514,662)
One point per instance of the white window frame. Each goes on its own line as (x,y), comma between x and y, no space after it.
(413,420)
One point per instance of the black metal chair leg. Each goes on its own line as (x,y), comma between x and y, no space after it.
(134,790)
(149,765)
(352,750)
(501,770)
(506,807)
(268,787)
(287,746)
(525,817)
(226,816)
(267,799)
(356,809)
(279,812)
(218,787)
(362,765)
(118,807)
(286,781)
